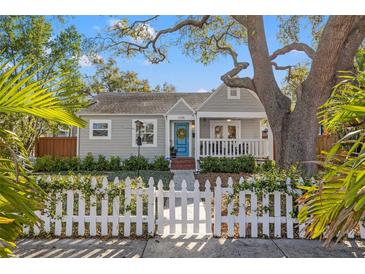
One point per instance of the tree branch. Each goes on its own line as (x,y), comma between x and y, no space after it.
(277,67)
(134,47)
(294,46)
(230,80)
(242,19)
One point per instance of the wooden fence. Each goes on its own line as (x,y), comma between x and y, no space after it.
(56,146)
(149,210)
(325,142)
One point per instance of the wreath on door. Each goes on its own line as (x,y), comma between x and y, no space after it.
(181,133)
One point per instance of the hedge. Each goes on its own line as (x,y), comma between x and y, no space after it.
(101,163)
(246,163)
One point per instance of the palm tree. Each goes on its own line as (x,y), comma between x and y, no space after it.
(337,204)
(19,194)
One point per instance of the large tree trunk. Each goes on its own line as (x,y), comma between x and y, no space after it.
(295,131)
(295,142)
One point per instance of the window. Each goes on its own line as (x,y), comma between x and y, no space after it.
(220,129)
(233,93)
(100,129)
(148,132)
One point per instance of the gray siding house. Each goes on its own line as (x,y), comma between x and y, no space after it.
(223,123)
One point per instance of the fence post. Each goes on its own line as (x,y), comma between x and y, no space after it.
(116,206)
(139,207)
(277,214)
(230,216)
(289,209)
(47,214)
(218,207)
(127,207)
(69,211)
(93,208)
(160,199)
(196,206)
(81,212)
(266,214)
(151,207)
(184,214)
(253,212)
(208,207)
(172,207)
(58,221)
(301,226)
(242,211)
(362,229)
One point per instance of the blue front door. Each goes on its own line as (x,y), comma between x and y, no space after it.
(182,139)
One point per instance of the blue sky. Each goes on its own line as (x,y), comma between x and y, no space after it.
(182,71)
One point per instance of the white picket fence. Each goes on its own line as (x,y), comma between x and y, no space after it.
(163,211)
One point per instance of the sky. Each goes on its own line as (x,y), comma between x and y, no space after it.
(180,70)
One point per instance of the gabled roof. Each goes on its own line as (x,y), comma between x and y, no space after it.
(142,102)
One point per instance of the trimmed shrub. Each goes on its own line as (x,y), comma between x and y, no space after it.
(44,163)
(161,163)
(88,162)
(136,163)
(51,164)
(72,163)
(115,163)
(245,163)
(102,163)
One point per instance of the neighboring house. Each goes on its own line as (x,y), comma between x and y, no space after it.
(224,123)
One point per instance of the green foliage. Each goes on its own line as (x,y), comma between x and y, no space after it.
(246,163)
(89,163)
(109,78)
(28,40)
(102,163)
(20,197)
(293,80)
(290,27)
(160,163)
(115,163)
(337,204)
(267,165)
(136,163)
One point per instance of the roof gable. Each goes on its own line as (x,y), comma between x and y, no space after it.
(218,101)
(181,107)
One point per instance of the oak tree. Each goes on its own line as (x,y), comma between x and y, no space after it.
(337,38)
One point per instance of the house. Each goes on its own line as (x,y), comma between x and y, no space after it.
(223,123)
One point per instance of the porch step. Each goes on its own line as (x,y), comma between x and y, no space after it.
(183,163)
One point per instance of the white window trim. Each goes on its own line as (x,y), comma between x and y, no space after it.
(94,121)
(225,124)
(154,122)
(230,96)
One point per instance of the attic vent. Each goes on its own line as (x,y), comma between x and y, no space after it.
(233,93)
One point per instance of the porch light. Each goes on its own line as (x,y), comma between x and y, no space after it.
(192,126)
(229,120)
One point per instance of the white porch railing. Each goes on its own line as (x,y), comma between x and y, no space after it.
(234,147)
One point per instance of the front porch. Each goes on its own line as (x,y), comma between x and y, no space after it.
(259,148)
(217,134)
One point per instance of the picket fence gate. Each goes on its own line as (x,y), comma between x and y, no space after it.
(155,211)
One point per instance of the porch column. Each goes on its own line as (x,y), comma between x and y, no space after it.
(167,137)
(270,144)
(197,140)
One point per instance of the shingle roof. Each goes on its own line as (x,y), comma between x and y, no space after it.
(142,102)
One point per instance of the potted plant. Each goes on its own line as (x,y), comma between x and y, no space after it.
(173,152)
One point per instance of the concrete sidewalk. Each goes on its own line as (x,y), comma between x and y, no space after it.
(185,247)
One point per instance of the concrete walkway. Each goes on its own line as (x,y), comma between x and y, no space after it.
(185,247)
(179,176)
